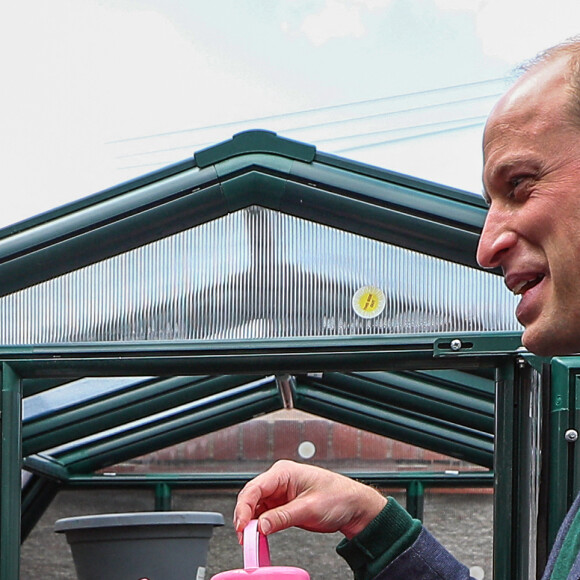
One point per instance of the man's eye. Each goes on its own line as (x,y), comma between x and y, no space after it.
(515,184)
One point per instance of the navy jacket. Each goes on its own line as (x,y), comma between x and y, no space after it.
(427,559)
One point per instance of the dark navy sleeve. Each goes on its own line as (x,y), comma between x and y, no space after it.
(394,546)
(426,559)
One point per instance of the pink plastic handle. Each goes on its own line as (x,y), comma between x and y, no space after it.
(256,550)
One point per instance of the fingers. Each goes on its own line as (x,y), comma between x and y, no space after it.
(270,486)
(288,494)
(309,497)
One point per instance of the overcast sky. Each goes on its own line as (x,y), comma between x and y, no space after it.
(97,92)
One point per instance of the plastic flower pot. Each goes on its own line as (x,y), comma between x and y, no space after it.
(140,546)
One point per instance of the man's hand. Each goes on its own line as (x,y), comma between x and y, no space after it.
(308,497)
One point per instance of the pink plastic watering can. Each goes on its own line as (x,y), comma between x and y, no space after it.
(257,561)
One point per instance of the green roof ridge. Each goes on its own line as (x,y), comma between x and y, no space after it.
(255,141)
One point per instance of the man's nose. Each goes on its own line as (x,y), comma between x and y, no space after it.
(497,238)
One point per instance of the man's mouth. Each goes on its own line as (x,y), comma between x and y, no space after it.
(524,285)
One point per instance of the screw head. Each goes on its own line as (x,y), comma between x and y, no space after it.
(571,435)
(456,344)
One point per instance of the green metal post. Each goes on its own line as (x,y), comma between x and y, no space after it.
(563,459)
(163,499)
(503,558)
(517,552)
(559,417)
(416,499)
(10,475)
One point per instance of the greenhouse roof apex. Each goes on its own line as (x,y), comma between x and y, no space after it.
(255,141)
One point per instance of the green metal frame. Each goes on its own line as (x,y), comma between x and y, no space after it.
(10,464)
(408,408)
(328,356)
(414,483)
(514,470)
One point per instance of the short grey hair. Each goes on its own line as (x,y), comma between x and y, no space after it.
(571,49)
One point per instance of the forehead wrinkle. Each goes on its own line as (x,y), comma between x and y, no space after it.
(495,132)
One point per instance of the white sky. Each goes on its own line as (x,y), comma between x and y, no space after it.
(96,92)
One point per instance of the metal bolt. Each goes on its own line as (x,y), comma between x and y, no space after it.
(456,344)
(571,435)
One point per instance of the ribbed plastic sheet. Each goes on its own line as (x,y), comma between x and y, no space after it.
(257,273)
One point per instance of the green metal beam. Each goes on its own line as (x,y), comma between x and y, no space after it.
(180,426)
(414,393)
(518,548)
(229,480)
(94,237)
(284,176)
(46,466)
(382,223)
(563,458)
(10,473)
(257,141)
(479,382)
(504,500)
(416,498)
(295,356)
(163,497)
(112,410)
(436,435)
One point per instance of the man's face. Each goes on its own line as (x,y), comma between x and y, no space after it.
(532,181)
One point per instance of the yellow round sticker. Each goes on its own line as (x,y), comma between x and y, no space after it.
(369,301)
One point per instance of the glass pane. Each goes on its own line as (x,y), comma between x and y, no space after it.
(258,273)
(462,520)
(292,434)
(452,515)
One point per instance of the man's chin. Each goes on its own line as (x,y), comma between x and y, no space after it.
(543,343)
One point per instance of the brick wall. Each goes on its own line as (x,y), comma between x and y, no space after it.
(263,441)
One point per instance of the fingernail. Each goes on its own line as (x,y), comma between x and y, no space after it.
(265,526)
(240,538)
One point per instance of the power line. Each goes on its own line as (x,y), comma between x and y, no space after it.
(410,137)
(476,120)
(343,121)
(468,123)
(315,110)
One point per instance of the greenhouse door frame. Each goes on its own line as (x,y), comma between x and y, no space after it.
(515,536)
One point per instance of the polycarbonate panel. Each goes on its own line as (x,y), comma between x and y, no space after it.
(257,273)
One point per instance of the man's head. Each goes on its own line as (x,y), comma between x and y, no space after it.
(531,178)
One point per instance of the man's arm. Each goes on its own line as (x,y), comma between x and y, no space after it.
(308,497)
(381,539)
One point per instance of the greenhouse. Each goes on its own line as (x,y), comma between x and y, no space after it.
(178,333)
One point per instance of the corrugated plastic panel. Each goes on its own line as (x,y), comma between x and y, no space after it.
(257,273)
